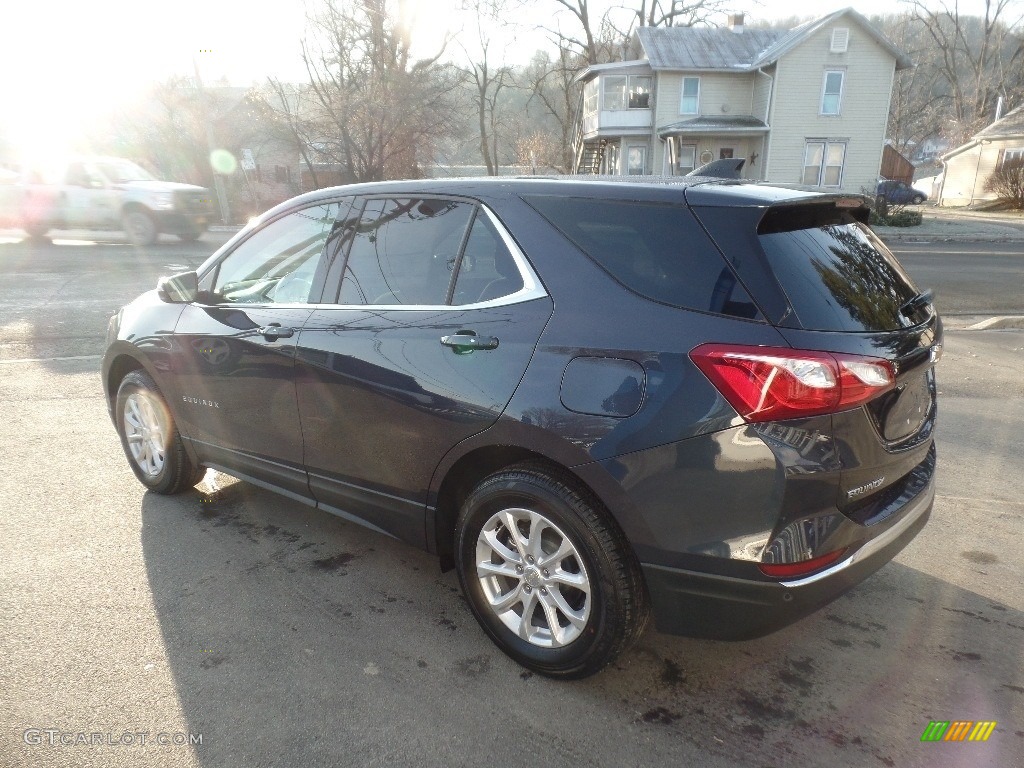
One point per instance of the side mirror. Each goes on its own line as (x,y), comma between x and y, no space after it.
(182,288)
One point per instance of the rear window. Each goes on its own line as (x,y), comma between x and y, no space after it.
(656,250)
(837,274)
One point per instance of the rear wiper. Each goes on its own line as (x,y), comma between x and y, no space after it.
(921,300)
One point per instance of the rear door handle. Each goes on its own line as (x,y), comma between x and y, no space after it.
(274,331)
(465,342)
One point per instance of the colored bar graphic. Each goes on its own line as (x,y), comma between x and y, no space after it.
(958,730)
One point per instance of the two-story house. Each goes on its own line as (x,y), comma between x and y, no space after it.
(802,106)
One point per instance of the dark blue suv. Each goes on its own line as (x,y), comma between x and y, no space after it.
(900,192)
(710,402)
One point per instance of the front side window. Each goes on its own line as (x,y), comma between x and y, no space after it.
(823,163)
(277,263)
(832,93)
(689,103)
(404,252)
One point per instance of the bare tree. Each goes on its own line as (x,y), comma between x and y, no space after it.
(975,59)
(488,79)
(379,109)
(1007,181)
(289,115)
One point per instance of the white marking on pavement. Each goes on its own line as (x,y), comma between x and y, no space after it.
(991,322)
(51,359)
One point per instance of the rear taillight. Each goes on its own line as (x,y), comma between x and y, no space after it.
(774,383)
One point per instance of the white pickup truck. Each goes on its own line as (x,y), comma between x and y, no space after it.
(107,193)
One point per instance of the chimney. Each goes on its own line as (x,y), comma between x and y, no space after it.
(999,108)
(736,23)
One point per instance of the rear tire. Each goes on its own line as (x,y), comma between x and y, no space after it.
(190,236)
(35,230)
(530,541)
(918,199)
(140,227)
(150,439)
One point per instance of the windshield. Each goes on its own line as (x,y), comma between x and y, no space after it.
(121,171)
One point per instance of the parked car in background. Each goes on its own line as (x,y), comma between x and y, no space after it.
(107,193)
(900,192)
(710,401)
(929,185)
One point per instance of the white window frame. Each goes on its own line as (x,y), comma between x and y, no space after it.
(631,88)
(1009,155)
(842,88)
(682,96)
(680,169)
(591,94)
(643,156)
(825,145)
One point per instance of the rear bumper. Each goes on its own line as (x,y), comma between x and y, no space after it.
(728,608)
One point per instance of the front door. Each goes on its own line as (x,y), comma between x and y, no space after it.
(234,353)
(86,200)
(435,317)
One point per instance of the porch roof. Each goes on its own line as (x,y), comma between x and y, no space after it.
(715,124)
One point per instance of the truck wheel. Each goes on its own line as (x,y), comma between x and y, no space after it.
(140,227)
(35,230)
(191,235)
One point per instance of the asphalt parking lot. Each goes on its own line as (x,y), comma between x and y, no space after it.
(282,636)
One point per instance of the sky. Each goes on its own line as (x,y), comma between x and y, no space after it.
(64,61)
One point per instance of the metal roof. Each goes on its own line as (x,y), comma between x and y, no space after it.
(705,48)
(1010,124)
(716,124)
(721,49)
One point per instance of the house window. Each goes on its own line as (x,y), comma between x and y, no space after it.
(832,92)
(1011,156)
(636,161)
(639,92)
(725,153)
(823,163)
(689,101)
(687,158)
(622,92)
(590,97)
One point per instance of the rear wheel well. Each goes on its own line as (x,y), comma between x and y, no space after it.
(467,473)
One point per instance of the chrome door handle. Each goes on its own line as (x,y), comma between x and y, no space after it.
(273,332)
(464,343)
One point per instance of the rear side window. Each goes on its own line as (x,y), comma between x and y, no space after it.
(487,270)
(656,250)
(837,275)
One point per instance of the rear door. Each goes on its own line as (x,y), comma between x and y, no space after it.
(428,323)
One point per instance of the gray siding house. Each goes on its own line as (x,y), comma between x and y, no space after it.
(807,105)
(969,166)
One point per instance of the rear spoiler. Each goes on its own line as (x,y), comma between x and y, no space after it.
(817,211)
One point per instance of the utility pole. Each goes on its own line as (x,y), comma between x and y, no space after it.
(218,179)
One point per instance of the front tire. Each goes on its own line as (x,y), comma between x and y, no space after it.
(150,439)
(190,236)
(35,230)
(918,199)
(548,575)
(140,227)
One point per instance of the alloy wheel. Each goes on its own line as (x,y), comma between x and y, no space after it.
(145,433)
(533,578)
